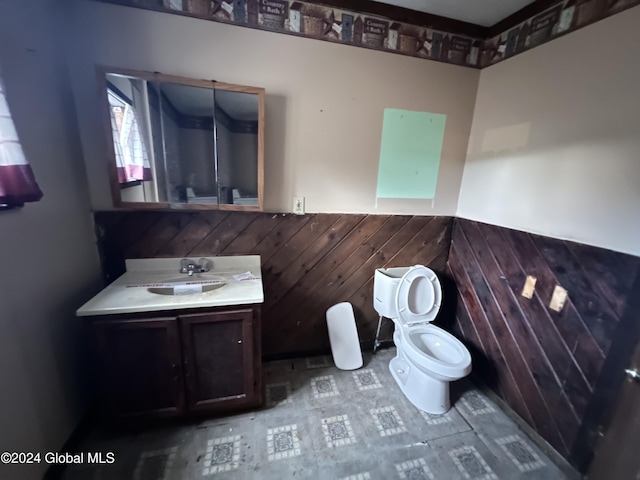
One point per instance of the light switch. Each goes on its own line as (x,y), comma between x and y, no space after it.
(529,287)
(558,298)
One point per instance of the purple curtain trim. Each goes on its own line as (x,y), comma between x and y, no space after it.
(132,173)
(18,185)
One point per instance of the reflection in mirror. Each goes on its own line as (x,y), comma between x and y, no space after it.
(184,143)
(131,130)
(236,115)
(186,134)
(163,140)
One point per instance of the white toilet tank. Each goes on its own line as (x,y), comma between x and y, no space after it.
(385,286)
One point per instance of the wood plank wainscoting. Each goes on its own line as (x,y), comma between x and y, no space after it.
(309,262)
(559,371)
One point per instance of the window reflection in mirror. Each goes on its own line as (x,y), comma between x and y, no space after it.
(186,145)
(130,119)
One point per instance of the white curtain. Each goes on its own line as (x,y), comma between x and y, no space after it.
(17,182)
(132,161)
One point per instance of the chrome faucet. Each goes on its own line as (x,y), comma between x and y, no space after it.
(190,266)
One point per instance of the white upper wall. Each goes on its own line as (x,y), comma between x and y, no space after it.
(555,141)
(324,104)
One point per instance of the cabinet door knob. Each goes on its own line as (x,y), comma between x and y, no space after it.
(239,341)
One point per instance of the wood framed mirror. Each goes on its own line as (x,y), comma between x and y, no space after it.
(180,143)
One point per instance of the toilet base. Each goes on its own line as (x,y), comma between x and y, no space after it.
(423,391)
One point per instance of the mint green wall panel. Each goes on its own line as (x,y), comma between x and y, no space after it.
(410,153)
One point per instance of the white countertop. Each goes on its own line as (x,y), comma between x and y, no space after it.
(129,293)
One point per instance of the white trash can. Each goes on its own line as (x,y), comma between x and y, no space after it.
(343,336)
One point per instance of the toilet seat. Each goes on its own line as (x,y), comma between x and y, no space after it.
(435,350)
(418,296)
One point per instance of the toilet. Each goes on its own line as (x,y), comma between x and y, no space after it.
(428,357)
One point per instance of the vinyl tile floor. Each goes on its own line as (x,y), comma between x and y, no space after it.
(323,423)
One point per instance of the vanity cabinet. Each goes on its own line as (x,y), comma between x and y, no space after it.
(139,366)
(218,359)
(178,362)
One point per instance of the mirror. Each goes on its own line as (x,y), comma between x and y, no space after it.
(181,143)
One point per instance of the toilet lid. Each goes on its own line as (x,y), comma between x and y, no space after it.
(418,296)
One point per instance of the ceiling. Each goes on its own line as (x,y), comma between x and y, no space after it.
(480,12)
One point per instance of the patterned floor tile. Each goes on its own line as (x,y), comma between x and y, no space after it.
(475,404)
(337,431)
(388,421)
(438,426)
(324,386)
(467,456)
(421,426)
(323,361)
(278,394)
(283,442)
(155,464)
(222,455)
(385,354)
(364,466)
(414,470)
(323,423)
(520,452)
(482,414)
(417,462)
(366,379)
(358,476)
(524,458)
(126,449)
(436,419)
(471,464)
(283,447)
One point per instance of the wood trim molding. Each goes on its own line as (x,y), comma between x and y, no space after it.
(412,17)
(417,35)
(388,28)
(520,16)
(544,21)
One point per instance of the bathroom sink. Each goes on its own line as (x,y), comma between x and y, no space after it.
(193,285)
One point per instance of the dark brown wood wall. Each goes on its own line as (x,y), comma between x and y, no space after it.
(559,371)
(309,262)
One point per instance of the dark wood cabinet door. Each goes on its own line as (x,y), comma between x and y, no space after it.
(139,367)
(218,351)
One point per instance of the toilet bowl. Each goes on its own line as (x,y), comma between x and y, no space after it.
(428,358)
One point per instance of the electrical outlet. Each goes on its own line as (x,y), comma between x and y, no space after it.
(298,205)
(558,298)
(529,287)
